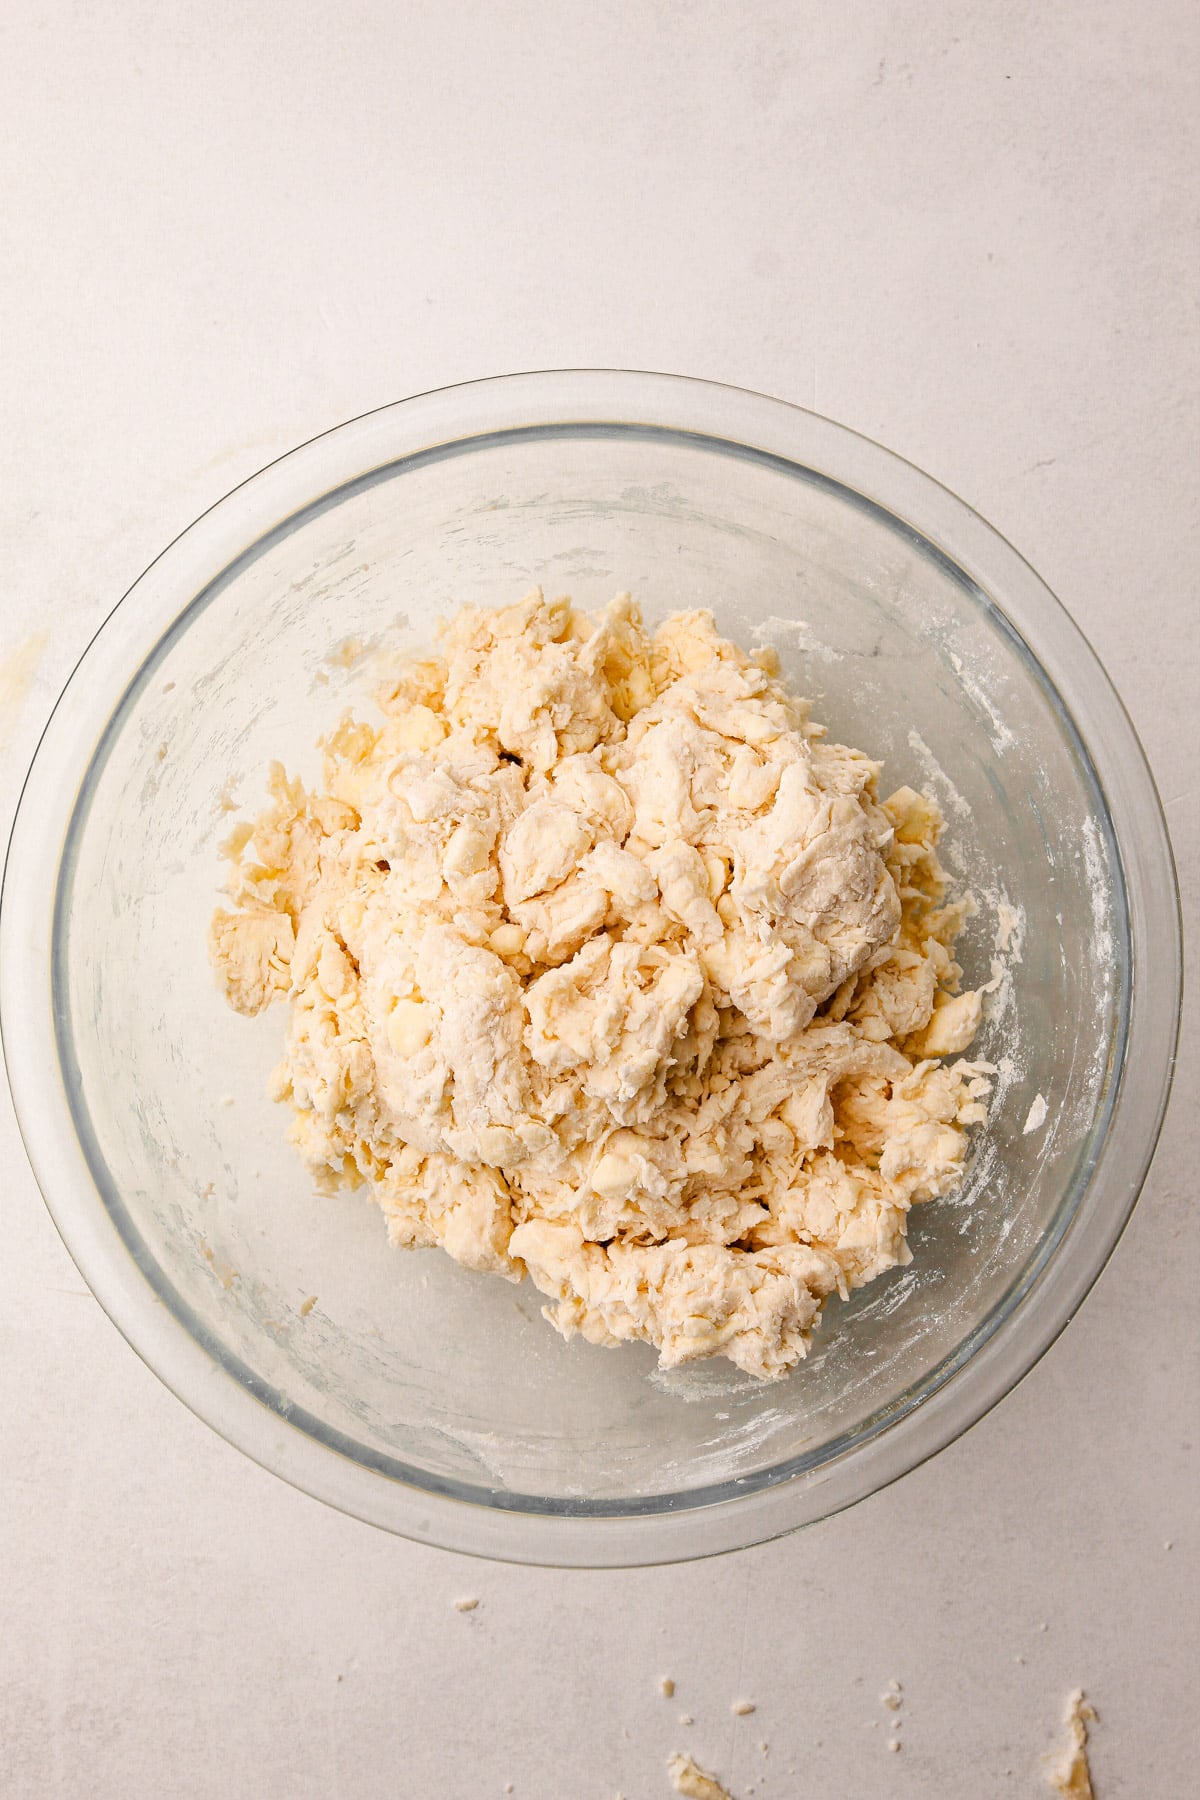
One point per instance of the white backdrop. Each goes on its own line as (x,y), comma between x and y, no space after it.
(965,230)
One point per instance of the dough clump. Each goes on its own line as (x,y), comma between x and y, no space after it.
(606,968)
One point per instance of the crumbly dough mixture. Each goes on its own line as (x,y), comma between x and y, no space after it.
(605,967)
(689,1779)
(1068,1772)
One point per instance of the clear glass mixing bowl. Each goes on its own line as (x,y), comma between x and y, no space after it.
(414,1393)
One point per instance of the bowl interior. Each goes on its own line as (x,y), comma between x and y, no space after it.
(406,1362)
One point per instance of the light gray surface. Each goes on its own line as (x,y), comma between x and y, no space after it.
(969,235)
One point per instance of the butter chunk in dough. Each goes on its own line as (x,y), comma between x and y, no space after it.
(605,968)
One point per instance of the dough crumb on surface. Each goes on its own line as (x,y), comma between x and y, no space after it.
(606,968)
(467,1604)
(1067,1770)
(666,1687)
(306,1306)
(689,1779)
(1036,1116)
(741,1708)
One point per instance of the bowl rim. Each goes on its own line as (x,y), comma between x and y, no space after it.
(446,421)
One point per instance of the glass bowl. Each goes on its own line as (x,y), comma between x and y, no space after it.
(411,1392)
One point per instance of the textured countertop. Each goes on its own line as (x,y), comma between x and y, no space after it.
(965,230)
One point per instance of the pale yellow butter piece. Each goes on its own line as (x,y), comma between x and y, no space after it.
(409,1027)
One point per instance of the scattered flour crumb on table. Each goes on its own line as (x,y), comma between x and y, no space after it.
(892,1698)
(741,1708)
(689,1779)
(667,1687)
(1037,1114)
(1067,1770)
(686,1719)
(467,1604)
(306,1306)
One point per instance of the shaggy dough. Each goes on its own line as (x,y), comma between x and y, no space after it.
(695,1783)
(1068,1772)
(605,967)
